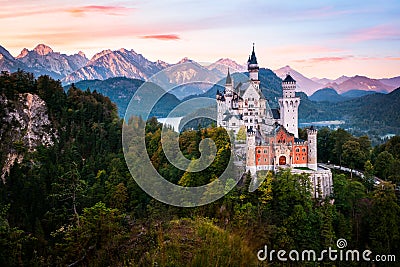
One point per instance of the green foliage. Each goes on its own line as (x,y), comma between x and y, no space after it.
(384,225)
(96,239)
(241,135)
(76,202)
(198,242)
(352,154)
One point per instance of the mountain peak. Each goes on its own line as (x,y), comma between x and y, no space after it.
(100,54)
(23,53)
(184,60)
(42,49)
(82,54)
(5,53)
(123,50)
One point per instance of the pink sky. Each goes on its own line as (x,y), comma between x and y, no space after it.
(317,38)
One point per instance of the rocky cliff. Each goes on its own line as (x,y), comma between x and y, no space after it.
(24,126)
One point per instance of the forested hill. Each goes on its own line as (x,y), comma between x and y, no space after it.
(379,111)
(44,178)
(67,197)
(121,90)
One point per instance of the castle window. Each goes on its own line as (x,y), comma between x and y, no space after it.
(265,159)
(265,151)
(258,151)
(304,150)
(303,158)
(297,150)
(297,158)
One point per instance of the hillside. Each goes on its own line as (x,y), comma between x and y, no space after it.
(121,91)
(357,93)
(327,94)
(375,112)
(75,201)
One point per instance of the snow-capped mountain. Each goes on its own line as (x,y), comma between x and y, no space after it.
(119,63)
(128,63)
(221,66)
(43,60)
(187,77)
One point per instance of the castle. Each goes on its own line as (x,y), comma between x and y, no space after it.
(272,140)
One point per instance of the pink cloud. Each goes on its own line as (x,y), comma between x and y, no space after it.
(296,49)
(163,37)
(109,10)
(75,11)
(323,59)
(23,13)
(380,32)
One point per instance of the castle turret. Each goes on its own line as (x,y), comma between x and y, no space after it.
(312,148)
(251,151)
(229,83)
(221,107)
(289,106)
(252,67)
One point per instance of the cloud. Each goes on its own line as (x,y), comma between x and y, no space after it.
(78,11)
(324,59)
(23,13)
(109,10)
(163,37)
(380,32)
(300,49)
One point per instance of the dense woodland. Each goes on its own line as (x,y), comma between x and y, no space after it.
(76,204)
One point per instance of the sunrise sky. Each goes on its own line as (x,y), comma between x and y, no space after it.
(317,38)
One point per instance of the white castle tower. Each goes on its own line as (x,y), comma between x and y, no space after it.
(289,106)
(252,67)
(312,148)
(251,152)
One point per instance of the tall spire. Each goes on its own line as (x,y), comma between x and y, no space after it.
(252,67)
(228,78)
(253,58)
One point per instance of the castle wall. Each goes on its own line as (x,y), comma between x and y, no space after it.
(300,155)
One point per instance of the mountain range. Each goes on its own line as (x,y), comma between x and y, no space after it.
(130,64)
(341,85)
